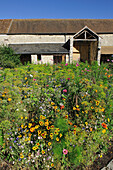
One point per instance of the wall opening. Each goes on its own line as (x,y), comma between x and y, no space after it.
(25,58)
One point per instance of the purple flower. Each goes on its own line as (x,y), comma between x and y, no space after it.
(19,159)
(10,147)
(14,141)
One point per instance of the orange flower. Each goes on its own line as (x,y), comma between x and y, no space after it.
(32,129)
(104,125)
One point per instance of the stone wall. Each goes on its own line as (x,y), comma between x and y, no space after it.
(106,39)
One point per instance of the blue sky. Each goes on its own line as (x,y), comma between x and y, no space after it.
(56,9)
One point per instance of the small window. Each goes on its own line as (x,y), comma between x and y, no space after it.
(39,57)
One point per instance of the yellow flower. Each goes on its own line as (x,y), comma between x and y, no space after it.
(49,143)
(25,78)
(21,156)
(34,148)
(74,108)
(52,103)
(60,135)
(77,115)
(43,151)
(86,123)
(32,129)
(43,117)
(3,95)
(92,107)
(96,91)
(39,132)
(46,123)
(104,131)
(20,136)
(25,96)
(41,123)
(100,156)
(97,103)
(22,126)
(108,120)
(29,154)
(29,134)
(21,117)
(37,126)
(52,164)
(9,99)
(57,139)
(77,106)
(29,125)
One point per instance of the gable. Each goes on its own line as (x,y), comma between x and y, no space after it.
(86,34)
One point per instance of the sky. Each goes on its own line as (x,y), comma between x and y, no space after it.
(56,9)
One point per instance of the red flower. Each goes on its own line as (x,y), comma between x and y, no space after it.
(104,125)
(62,107)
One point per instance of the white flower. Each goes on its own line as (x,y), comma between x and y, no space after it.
(31,75)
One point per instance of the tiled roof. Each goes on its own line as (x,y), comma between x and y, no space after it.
(54,26)
(43,48)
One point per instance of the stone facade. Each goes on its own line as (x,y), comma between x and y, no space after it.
(83,45)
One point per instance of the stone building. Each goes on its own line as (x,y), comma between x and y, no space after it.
(56,40)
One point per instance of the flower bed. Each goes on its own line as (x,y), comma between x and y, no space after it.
(56,116)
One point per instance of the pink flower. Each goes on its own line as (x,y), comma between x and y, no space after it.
(112,61)
(65,151)
(65,90)
(77,65)
(68,78)
(34,79)
(66,64)
(107,59)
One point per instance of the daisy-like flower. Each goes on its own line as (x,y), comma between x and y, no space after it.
(52,164)
(43,152)
(65,151)
(49,143)
(57,139)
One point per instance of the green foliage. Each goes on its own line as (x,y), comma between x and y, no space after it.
(56,116)
(8,59)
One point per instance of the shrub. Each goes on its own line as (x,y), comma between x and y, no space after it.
(8,59)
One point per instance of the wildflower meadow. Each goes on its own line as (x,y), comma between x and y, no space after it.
(55,116)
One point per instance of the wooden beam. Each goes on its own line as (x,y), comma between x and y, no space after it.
(84,40)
